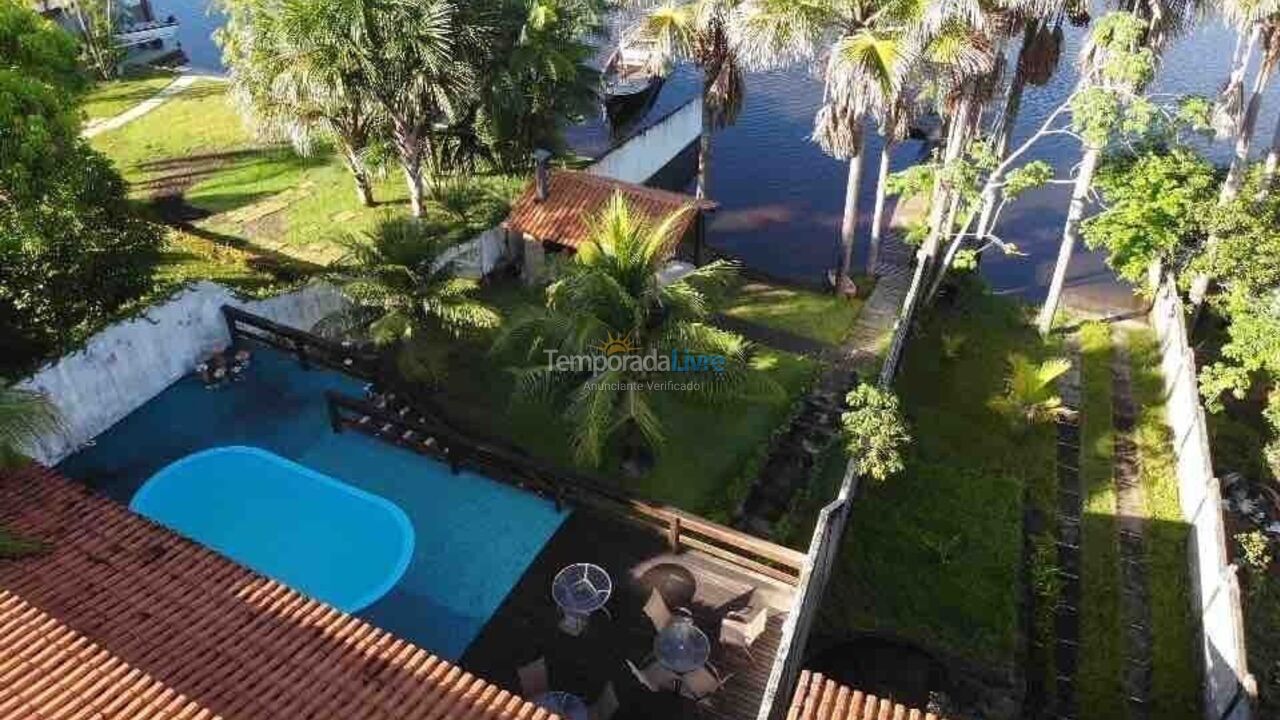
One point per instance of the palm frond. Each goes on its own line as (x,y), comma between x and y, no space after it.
(25,417)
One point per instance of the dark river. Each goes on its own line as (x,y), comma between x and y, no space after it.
(781,197)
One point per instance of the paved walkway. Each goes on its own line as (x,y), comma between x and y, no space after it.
(182,82)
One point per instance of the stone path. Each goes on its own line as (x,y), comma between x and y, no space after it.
(182,82)
(1131,504)
(795,451)
(1066,645)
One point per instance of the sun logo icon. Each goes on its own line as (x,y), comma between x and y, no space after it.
(617,345)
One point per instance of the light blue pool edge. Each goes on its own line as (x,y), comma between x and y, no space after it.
(397,513)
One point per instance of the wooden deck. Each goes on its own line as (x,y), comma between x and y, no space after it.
(525,626)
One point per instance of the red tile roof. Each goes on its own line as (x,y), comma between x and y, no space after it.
(121,618)
(575,199)
(818,698)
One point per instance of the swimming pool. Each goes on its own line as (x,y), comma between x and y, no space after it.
(328,539)
(474,538)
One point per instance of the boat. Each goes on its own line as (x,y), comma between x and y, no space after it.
(631,79)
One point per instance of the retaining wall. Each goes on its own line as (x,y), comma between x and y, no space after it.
(130,362)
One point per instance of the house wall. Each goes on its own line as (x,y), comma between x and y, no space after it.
(128,363)
(642,155)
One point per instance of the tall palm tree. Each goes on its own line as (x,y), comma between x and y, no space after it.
(859,46)
(610,301)
(25,416)
(399,281)
(698,31)
(295,70)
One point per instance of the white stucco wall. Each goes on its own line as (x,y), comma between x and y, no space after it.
(641,156)
(128,363)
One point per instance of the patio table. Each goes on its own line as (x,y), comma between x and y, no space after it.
(579,590)
(681,646)
(566,705)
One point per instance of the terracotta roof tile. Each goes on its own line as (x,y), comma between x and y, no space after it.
(575,198)
(819,698)
(121,618)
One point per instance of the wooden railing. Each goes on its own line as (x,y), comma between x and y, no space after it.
(306,347)
(428,433)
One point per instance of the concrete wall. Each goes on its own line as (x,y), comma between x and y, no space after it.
(642,155)
(1228,689)
(128,363)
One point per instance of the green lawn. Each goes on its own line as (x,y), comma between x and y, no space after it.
(815,315)
(1175,671)
(263,195)
(934,555)
(108,99)
(703,466)
(1102,640)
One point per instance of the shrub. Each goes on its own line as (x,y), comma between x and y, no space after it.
(875,431)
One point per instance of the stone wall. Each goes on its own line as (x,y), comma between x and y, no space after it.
(128,363)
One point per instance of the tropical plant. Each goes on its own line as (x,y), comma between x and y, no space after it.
(97,23)
(540,77)
(296,71)
(1157,207)
(25,416)
(1029,395)
(609,305)
(699,31)
(874,432)
(402,291)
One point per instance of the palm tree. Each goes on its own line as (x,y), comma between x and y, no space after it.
(862,44)
(698,31)
(25,416)
(1029,389)
(610,302)
(295,71)
(399,281)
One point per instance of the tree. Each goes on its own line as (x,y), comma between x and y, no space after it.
(25,416)
(296,71)
(862,44)
(1156,209)
(541,77)
(612,335)
(71,251)
(97,23)
(874,432)
(699,31)
(399,280)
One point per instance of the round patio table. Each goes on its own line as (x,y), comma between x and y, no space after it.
(566,705)
(681,647)
(580,589)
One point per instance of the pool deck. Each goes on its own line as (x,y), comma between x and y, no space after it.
(525,625)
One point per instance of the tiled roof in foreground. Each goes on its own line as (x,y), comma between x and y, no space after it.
(819,698)
(575,199)
(121,618)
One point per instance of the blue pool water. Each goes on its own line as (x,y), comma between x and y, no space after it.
(475,537)
(331,540)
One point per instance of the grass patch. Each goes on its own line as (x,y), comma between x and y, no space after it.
(705,465)
(1175,672)
(1099,679)
(265,195)
(934,555)
(108,99)
(815,315)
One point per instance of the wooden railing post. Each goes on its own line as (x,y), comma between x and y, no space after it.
(673,533)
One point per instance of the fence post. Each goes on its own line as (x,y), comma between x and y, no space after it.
(673,533)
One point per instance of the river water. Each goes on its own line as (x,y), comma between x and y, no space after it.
(782,198)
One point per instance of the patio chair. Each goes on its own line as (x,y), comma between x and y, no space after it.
(742,628)
(606,705)
(657,610)
(533,678)
(702,683)
(654,676)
